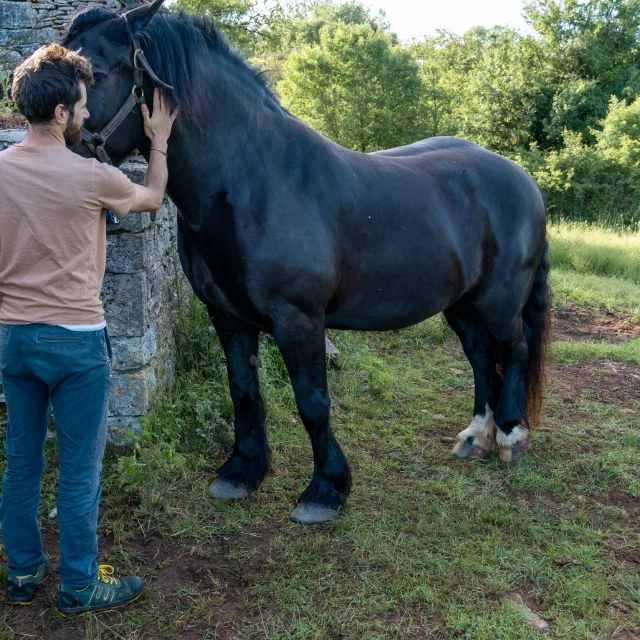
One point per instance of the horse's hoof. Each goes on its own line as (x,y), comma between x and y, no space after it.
(515,453)
(221,489)
(514,446)
(472,448)
(312,514)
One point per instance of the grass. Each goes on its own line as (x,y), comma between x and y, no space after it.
(595,267)
(602,292)
(572,352)
(428,547)
(595,251)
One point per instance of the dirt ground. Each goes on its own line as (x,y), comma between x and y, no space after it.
(170,569)
(580,324)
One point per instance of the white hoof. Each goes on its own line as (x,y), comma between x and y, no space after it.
(477,440)
(513,446)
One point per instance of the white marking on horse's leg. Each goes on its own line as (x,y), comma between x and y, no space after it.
(515,444)
(477,440)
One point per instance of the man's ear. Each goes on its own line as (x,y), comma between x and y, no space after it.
(59,114)
(141,16)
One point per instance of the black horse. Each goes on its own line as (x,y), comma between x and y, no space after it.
(283,231)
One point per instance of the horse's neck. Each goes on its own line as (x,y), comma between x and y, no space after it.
(215,154)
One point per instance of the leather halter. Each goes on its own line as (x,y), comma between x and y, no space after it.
(96,141)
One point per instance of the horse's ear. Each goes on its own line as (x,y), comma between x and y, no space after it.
(141,16)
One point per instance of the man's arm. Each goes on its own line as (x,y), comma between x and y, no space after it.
(149,197)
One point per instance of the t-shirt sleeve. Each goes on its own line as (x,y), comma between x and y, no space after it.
(114,190)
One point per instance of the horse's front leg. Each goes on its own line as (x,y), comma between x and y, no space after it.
(249,463)
(300,339)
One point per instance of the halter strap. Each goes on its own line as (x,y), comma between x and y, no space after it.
(96,141)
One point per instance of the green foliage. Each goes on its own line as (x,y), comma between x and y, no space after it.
(7,106)
(592,52)
(242,21)
(300,23)
(355,86)
(151,472)
(439,90)
(619,136)
(500,93)
(597,183)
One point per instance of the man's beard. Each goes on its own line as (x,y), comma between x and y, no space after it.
(73,133)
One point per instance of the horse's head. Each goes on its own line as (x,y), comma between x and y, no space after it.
(109,41)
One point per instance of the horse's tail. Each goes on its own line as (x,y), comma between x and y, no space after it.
(537,315)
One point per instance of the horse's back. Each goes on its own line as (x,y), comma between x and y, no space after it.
(425,146)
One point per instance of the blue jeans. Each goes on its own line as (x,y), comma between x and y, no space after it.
(43,365)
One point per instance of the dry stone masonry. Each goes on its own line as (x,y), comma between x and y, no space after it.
(139,296)
(24,26)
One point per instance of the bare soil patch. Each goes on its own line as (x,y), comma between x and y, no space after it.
(604,381)
(174,575)
(586,323)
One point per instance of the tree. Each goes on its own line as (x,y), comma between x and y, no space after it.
(242,21)
(355,86)
(484,85)
(619,136)
(593,53)
(296,23)
(500,93)
(439,94)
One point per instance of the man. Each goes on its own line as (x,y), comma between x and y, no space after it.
(54,347)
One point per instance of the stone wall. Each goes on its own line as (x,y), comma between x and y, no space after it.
(24,26)
(140,301)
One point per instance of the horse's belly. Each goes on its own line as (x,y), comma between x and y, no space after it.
(372,313)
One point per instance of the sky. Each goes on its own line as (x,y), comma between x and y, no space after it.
(410,18)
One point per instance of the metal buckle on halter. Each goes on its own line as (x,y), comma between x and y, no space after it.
(136,65)
(138,88)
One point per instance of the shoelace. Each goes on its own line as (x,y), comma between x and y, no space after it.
(105,574)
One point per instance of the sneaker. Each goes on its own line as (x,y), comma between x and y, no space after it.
(22,589)
(102,593)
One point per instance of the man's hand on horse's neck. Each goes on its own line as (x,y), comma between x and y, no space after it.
(158,130)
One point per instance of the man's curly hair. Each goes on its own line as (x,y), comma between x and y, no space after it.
(49,77)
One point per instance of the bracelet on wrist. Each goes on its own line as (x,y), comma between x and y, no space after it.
(164,153)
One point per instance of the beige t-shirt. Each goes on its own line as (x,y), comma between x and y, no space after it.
(53,233)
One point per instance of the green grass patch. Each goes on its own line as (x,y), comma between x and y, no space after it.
(571,352)
(610,293)
(590,250)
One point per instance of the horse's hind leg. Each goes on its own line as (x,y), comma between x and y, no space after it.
(477,440)
(249,462)
(301,342)
(514,435)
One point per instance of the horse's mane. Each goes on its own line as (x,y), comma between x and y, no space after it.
(175,44)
